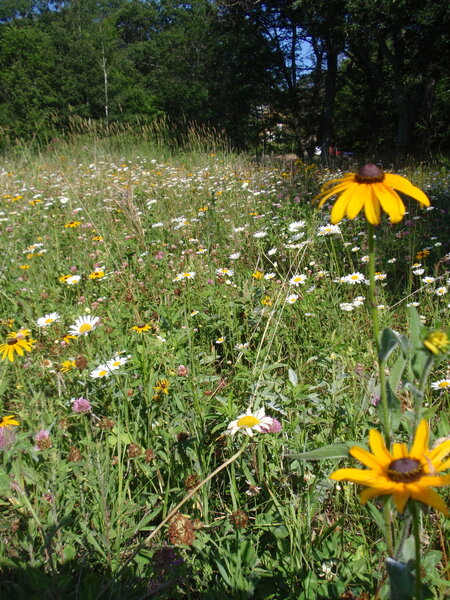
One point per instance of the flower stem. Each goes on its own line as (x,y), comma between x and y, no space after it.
(418,399)
(376,331)
(416,533)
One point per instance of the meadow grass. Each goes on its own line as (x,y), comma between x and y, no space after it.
(218,287)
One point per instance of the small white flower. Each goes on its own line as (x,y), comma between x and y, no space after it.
(328,230)
(346,306)
(260,234)
(428,279)
(441,291)
(291,298)
(47,319)
(84,325)
(250,422)
(296,225)
(117,362)
(354,278)
(242,346)
(297,279)
(234,256)
(225,271)
(73,279)
(442,384)
(101,371)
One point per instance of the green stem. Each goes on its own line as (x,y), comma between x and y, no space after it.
(388,524)
(416,533)
(423,381)
(376,331)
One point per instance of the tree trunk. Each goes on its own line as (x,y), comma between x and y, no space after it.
(327,126)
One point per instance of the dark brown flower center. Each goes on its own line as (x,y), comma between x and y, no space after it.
(12,341)
(369,173)
(405,470)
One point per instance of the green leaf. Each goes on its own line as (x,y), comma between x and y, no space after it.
(415,326)
(394,406)
(293,377)
(331,451)
(403,582)
(388,343)
(396,372)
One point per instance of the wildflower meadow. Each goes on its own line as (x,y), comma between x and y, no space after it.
(222,378)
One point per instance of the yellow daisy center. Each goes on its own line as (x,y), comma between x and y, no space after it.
(102,373)
(85,327)
(49,320)
(248,421)
(444,384)
(405,470)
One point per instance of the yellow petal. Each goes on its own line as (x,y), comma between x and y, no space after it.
(372,206)
(378,447)
(420,444)
(445,465)
(390,202)
(399,450)
(362,476)
(434,481)
(400,499)
(367,459)
(406,187)
(438,453)
(430,497)
(326,193)
(371,493)
(356,203)
(340,206)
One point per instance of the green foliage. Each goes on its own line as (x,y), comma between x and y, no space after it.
(76,514)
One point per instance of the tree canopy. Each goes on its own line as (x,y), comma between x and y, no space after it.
(282,74)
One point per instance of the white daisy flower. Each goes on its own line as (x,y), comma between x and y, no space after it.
(234,256)
(47,319)
(84,325)
(73,279)
(297,279)
(291,298)
(347,306)
(224,271)
(242,346)
(117,362)
(101,371)
(441,291)
(442,384)
(250,422)
(328,230)
(296,225)
(354,278)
